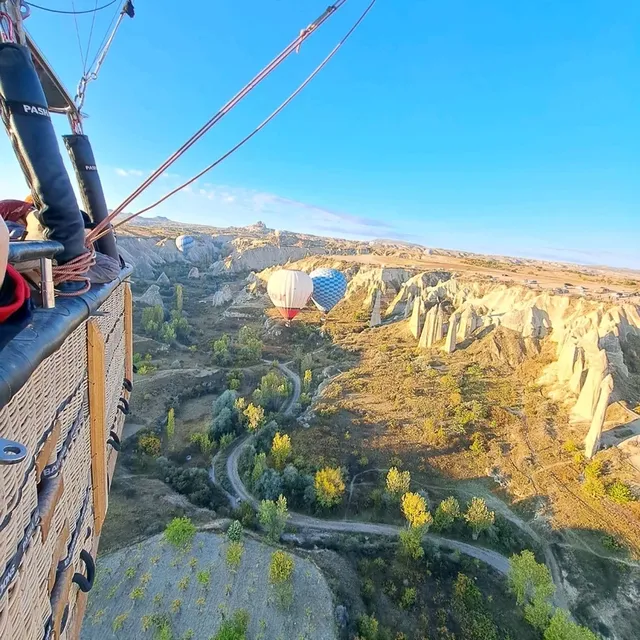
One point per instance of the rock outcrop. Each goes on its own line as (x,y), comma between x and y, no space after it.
(592,440)
(194,273)
(417,318)
(592,337)
(163,278)
(222,296)
(452,333)
(432,331)
(151,297)
(376,319)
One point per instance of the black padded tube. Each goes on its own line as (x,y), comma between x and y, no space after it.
(25,115)
(95,204)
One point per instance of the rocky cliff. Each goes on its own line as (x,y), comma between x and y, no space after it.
(597,344)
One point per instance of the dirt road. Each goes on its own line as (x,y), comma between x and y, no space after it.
(492,558)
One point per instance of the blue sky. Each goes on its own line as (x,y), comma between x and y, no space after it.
(499,127)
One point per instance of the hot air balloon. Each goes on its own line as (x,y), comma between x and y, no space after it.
(289,291)
(184,243)
(329,287)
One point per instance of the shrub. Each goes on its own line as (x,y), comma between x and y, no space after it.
(183,583)
(620,492)
(235,532)
(204,442)
(329,486)
(118,622)
(150,444)
(398,481)
(249,345)
(446,513)
(281,567)
(479,517)
(415,511)
(368,628)
(234,555)
(180,533)
(235,628)
(408,598)
(204,578)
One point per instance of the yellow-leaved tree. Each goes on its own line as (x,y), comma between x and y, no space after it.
(414,509)
(398,481)
(280,449)
(329,486)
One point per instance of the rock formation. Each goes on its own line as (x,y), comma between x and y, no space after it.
(194,273)
(452,333)
(376,319)
(151,297)
(417,318)
(222,296)
(163,278)
(433,325)
(592,441)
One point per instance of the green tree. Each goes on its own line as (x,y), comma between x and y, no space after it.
(368,628)
(479,517)
(235,531)
(532,584)
(179,298)
(281,567)
(272,391)
(414,509)
(562,628)
(204,442)
(307,380)
(280,576)
(398,481)
(221,350)
(234,628)
(249,345)
(447,512)
(171,424)
(329,486)
(273,516)
(255,416)
(470,611)
(280,450)
(259,467)
(180,533)
(411,543)
(152,319)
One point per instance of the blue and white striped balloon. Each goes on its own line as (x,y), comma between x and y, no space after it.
(329,287)
(184,243)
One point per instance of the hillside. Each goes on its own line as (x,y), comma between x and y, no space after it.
(508,384)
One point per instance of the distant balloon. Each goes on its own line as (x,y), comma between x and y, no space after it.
(289,291)
(184,243)
(329,287)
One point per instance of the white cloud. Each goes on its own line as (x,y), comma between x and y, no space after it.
(128,173)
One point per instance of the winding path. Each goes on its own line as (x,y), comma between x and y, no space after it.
(493,558)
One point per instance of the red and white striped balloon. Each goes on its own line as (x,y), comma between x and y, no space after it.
(289,291)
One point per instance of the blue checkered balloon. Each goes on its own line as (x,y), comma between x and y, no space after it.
(329,287)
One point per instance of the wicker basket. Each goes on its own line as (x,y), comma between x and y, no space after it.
(54,406)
